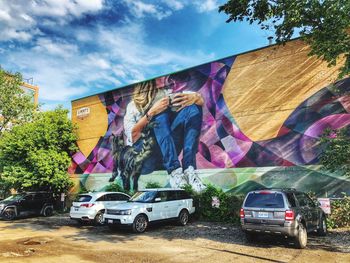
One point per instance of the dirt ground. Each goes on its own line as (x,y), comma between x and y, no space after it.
(58,239)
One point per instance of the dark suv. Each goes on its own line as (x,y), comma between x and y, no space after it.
(284,212)
(27,203)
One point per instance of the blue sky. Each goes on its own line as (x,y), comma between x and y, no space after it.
(75,48)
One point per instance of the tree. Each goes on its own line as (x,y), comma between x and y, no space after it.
(15,106)
(36,155)
(336,150)
(324,25)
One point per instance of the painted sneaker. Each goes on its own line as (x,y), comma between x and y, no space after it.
(177,179)
(194,180)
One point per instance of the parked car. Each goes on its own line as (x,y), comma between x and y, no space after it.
(91,206)
(284,212)
(149,206)
(27,203)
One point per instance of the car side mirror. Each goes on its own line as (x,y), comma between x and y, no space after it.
(158,199)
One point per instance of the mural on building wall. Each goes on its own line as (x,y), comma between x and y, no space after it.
(192,130)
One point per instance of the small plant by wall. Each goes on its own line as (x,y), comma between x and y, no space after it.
(150,185)
(340,213)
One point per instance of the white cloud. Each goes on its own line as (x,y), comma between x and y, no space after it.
(19,18)
(174,4)
(141,9)
(61,48)
(206,5)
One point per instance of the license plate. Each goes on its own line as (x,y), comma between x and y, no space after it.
(263,214)
(110,221)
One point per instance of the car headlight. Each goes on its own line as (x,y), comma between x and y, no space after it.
(125,212)
(118,212)
(2,206)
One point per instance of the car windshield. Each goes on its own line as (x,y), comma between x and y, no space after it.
(143,197)
(14,197)
(83,198)
(265,200)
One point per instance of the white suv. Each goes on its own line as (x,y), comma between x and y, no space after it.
(91,206)
(151,205)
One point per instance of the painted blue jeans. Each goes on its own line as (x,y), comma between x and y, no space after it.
(174,132)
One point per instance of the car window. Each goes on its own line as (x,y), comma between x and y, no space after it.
(102,198)
(14,197)
(83,198)
(182,195)
(172,195)
(301,199)
(163,196)
(28,198)
(291,199)
(38,196)
(265,200)
(144,197)
(122,197)
(117,197)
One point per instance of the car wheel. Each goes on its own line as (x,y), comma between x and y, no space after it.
(301,238)
(140,224)
(98,220)
(322,229)
(250,237)
(183,217)
(9,214)
(48,211)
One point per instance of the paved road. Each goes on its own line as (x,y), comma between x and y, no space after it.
(57,239)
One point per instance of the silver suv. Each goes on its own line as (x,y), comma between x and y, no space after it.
(284,212)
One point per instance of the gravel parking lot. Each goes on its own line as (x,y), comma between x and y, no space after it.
(58,239)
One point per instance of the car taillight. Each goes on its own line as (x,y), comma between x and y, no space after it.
(87,205)
(241,213)
(289,215)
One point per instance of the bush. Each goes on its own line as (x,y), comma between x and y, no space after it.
(228,210)
(340,213)
(114,187)
(150,185)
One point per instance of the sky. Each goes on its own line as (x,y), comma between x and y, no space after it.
(76,48)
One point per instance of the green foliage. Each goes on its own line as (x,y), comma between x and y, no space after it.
(150,185)
(82,189)
(229,208)
(36,155)
(115,187)
(340,213)
(335,156)
(15,106)
(322,24)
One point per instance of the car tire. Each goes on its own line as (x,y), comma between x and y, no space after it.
(301,237)
(98,220)
(183,217)
(140,224)
(9,214)
(48,211)
(322,228)
(250,237)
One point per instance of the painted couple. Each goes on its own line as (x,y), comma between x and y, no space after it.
(177,119)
